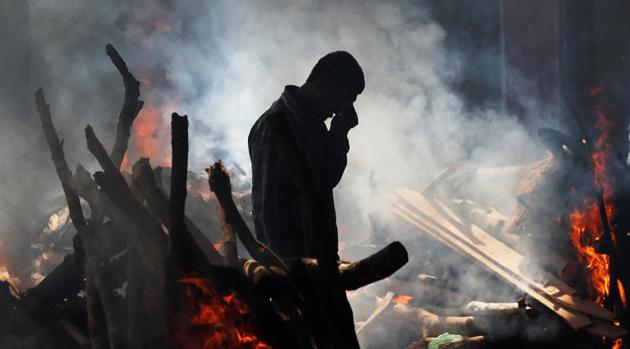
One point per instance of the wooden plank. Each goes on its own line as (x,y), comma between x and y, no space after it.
(504,256)
(572,317)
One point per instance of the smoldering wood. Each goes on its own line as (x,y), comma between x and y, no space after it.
(144,180)
(150,238)
(107,241)
(179,178)
(146,251)
(97,323)
(74,204)
(220,185)
(130,108)
(277,331)
(271,271)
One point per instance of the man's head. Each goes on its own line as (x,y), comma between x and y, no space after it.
(335,81)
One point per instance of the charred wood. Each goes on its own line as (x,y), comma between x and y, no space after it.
(145,182)
(373,268)
(219,182)
(130,108)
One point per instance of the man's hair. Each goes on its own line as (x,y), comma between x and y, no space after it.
(339,67)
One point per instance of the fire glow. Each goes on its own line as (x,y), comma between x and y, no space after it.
(215,321)
(586,223)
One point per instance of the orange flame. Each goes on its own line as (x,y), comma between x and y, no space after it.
(216,321)
(152,136)
(586,223)
(402,299)
(151,130)
(586,229)
(622,293)
(617,344)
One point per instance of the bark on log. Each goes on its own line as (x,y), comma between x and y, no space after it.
(145,182)
(373,268)
(179,178)
(130,108)
(146,251)
(74,204)
(219,182)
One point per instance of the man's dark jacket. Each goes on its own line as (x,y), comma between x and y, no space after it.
(279,210)
(296,163)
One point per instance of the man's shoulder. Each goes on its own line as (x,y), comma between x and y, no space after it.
(276,113)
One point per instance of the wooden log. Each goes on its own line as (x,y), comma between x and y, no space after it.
(74,206)
(146,254)
(219,182)
(179,178)
(130,108)
(373,268)
(479,308)
(428,324)
(144,180)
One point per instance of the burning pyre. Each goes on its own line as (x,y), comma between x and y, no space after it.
(214,321)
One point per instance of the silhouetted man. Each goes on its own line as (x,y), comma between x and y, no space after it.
(296,163)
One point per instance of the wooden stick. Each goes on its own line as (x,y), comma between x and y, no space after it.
(373,268)
(145,182)
(219,182)
(74,207)
(146,253)
(59,159)
(130,108)
(179,177)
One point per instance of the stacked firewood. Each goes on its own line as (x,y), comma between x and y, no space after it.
(148,277)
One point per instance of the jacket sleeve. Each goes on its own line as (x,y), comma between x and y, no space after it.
(337,158)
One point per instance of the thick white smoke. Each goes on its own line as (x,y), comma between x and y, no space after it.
(226,61)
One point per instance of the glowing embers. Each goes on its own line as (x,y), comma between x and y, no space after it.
(402,299)
(214,321)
